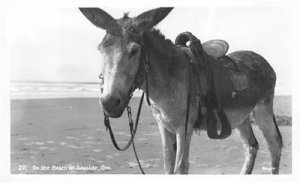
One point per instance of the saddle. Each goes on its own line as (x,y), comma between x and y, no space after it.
(216,48)
(218,87)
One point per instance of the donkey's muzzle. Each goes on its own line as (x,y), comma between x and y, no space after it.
(112,106)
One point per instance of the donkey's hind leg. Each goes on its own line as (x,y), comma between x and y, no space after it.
(266,122)
(250,145)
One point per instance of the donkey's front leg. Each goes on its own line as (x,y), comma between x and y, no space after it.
(169,149)
(182,154)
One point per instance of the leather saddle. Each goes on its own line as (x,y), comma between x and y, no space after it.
(216,48)
(219,85)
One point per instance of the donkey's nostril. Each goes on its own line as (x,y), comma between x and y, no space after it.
(112,105)
(117,102)
(113,102)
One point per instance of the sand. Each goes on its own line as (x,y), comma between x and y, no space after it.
(67,136)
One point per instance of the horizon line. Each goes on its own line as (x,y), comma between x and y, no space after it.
(85,82)
(32,81)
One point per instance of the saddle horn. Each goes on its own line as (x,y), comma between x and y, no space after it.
(195,45)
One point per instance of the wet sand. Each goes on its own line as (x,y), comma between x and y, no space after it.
(66,136)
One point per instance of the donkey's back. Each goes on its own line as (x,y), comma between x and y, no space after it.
(256,67)
(252,76)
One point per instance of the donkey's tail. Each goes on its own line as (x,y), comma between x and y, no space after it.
(278,132)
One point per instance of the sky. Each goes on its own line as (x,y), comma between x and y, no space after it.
(59,44)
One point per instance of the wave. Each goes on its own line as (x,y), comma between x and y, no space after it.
(24,90)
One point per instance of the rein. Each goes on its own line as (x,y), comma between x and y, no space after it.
(133,127)
(133,130)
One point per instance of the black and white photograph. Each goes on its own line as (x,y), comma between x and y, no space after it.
(201,88)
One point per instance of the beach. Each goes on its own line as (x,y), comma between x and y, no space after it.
(66,135)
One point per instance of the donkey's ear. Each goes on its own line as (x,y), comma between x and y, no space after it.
(101,19)
(150,18)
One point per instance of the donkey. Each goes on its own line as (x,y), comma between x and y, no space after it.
(128,39)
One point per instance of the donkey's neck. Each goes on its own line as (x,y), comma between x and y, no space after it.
(167,71)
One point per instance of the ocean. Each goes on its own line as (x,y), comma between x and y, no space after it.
(39,90)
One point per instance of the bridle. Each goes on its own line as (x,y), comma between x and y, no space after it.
(143,71)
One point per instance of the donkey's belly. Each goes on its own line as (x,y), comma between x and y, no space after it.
(237,116)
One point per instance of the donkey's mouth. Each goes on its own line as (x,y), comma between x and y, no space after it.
(111,107)
(114,115)
(115,112)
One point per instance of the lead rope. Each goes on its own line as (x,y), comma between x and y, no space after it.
(133,130)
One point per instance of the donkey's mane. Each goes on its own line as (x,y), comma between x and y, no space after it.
(160,45)
(169,56)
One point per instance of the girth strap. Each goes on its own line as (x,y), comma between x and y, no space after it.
(188,75)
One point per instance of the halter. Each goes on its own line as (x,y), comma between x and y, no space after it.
(143,70)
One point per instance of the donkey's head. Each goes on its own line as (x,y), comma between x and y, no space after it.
(122,51)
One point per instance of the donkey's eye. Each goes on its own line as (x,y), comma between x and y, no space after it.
(133,52)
